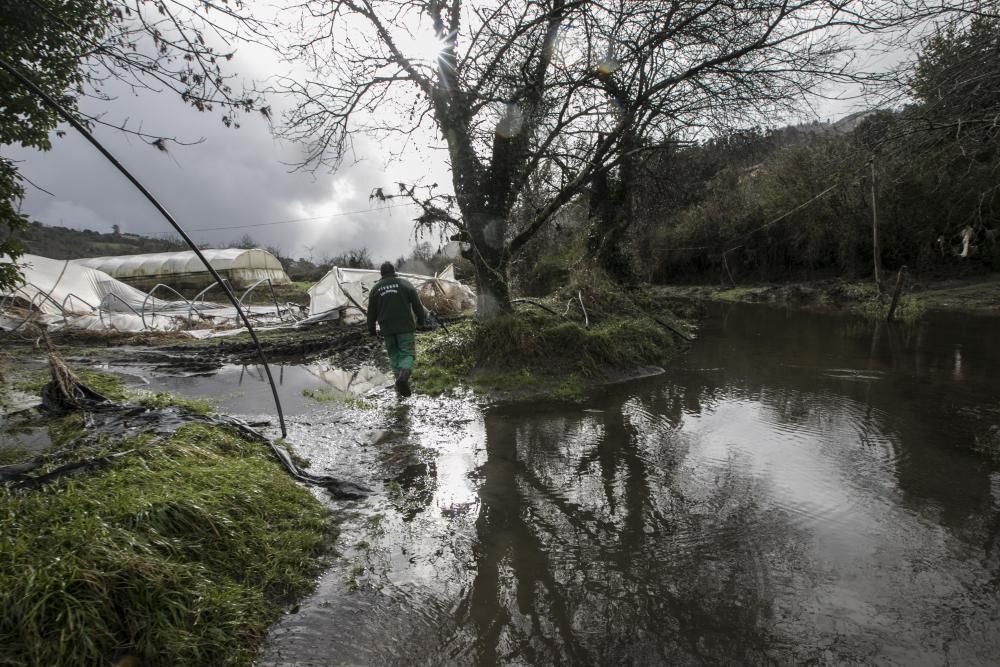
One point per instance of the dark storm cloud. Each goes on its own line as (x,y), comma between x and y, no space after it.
(235,177)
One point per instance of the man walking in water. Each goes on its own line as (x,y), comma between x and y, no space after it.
(392,303)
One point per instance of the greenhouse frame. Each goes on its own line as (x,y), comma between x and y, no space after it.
(239,265)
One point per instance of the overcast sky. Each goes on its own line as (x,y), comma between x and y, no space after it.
(236,177)
(236,182)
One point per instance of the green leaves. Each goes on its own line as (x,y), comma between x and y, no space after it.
(47,41)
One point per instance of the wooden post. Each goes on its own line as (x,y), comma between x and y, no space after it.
(876,248)
(895,294)
(725,264)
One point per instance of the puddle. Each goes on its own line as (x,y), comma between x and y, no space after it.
(16,435)
(792,492)
(799,488)
(242,389)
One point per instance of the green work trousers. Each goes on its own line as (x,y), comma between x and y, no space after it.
(401,349)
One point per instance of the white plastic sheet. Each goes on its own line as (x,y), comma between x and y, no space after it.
(63,293)
(332,291)
(57,286)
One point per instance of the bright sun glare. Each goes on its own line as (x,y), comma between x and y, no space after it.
(423,48)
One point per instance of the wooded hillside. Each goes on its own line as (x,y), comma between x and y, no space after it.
(793,204)
(65,243)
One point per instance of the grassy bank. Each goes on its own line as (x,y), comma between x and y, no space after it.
(978,295)
(181,552)
(532,353)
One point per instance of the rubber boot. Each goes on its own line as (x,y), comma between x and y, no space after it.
(403,382)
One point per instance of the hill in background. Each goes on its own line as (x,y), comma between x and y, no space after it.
(65,243)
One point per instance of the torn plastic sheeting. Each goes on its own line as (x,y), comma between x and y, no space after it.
(332,290)
(124,322)
(131,323)
(72,294)
(324,316)
(56,286)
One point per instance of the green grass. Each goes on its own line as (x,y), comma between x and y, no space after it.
(320,395)
(31,382)
(106,384)
(534,353)
(866,300)
(180,554)
(154,399)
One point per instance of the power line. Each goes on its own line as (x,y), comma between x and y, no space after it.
(318,217)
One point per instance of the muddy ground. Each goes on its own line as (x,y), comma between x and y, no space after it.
(349,345)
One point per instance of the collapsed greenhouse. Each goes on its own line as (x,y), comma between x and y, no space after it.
(68,293)
(65,293)
(346,291)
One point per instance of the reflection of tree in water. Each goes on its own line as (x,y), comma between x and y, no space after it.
(598,545)
(590,553)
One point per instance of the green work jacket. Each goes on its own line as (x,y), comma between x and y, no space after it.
(392,302)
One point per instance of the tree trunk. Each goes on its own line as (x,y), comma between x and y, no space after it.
(488,255)
(494,291)
(612,214)
(876,244)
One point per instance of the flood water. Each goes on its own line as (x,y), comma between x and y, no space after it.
(800,488)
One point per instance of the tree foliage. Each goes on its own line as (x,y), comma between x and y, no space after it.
(533,100)
(936,165)
(75,49)
(50,49)
(11,219)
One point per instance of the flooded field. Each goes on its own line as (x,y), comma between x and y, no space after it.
(801,487)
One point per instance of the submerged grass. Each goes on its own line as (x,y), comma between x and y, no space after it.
(14,454)
(860,297)
(328,396)
(987,444)
(181,553)
(981,296)
(156,399)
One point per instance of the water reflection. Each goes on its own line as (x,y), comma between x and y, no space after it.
(597,547)
(801,488)
(243,388)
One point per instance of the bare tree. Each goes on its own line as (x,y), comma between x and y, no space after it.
(568,88)
(354,258)
(245,242)
(165,46)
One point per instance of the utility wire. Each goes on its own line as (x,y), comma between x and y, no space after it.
(318,217)
(78,126)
